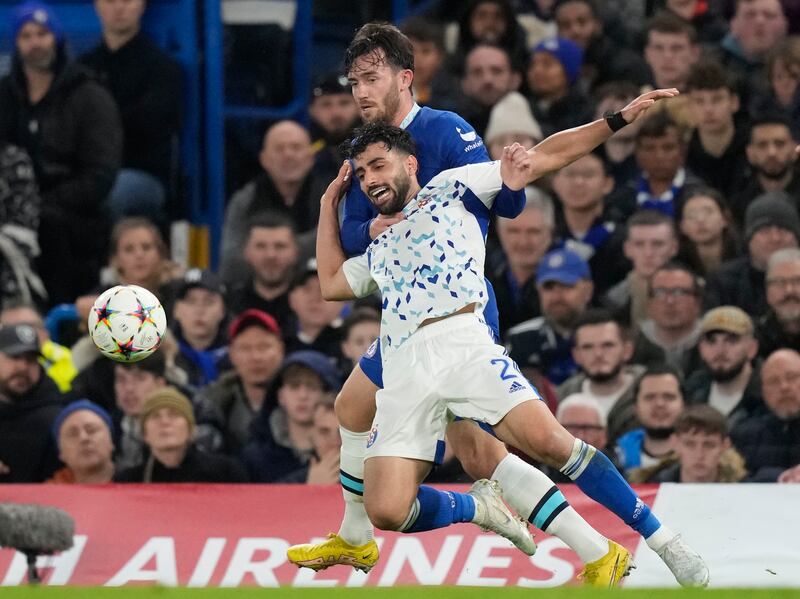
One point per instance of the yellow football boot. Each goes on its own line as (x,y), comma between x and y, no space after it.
(334,551)
(608,570)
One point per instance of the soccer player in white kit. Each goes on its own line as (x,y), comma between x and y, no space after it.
(438,353)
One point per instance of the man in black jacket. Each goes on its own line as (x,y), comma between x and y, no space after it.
(146,84)
(29,403)
(70,126)
(770,443)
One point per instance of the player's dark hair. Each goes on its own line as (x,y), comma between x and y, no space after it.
(374,37)
(595,316)
(394,138)
(658,370)
(702,419)
(657,125)
(423,30)
(667,22)
(709,75)
(771,118)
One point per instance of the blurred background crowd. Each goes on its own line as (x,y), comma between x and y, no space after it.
(650,290)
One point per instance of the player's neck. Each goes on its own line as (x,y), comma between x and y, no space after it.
(405,106)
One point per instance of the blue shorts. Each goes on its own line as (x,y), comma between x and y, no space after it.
(370,364)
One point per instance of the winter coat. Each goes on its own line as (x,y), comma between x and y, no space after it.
(731,470)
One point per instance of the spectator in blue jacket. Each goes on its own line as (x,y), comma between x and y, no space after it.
(659,402)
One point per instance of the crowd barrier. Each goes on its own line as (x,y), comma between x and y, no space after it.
(237,535)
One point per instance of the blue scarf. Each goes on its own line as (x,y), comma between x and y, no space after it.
(666,201)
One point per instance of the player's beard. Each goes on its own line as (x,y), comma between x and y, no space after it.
(604,377)
(399,187)
(724,375)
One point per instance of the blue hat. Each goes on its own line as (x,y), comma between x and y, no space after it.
(316,362)
(36,12)
(563,266)
(77,406)
(568,53)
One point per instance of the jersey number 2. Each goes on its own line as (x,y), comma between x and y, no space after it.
(504,366)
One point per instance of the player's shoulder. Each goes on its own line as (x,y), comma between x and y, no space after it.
(447,126)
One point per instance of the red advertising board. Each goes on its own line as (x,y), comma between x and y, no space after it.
(232,535)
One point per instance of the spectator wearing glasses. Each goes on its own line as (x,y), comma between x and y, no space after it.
(674,308)
(770,443)
(780,325)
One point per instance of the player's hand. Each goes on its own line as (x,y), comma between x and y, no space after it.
(642,104)
(382,222)
(516,168)
(792,475)
(325,470)
(338,187)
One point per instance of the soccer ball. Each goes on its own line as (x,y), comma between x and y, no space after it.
(127,323)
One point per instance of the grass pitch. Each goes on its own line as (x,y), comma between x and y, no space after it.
(389,593)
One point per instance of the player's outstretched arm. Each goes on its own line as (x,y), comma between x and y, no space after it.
(565,147)
(330,256)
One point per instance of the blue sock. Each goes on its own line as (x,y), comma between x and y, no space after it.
(596,476)
(437,509)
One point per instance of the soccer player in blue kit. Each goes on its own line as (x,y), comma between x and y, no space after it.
(379,63)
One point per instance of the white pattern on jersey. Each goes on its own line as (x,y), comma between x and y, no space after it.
(431,263)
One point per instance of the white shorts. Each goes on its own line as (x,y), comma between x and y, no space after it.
(452,364)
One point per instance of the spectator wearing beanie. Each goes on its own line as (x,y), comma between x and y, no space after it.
(83,432)
(168,428)
(510,121)
(771,223)
(552,77)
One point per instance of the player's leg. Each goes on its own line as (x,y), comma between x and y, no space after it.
(532,427)
(355,409)
(528,490)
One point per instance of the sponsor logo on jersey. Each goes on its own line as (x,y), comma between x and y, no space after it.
(515,386)
(372,349)
(468,136)
(473,146)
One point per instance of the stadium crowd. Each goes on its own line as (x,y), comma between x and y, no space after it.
(650,290)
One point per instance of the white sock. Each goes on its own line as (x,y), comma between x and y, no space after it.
(659,538)
(356,528)
(535,497)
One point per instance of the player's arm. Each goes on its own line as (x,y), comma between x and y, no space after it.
(463,146)
(356,218)
(332,264)
(565,147)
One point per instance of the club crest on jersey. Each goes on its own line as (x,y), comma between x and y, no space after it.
(373,347)
(468,136)
(373,435)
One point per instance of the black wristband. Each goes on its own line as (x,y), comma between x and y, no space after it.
(615,120)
